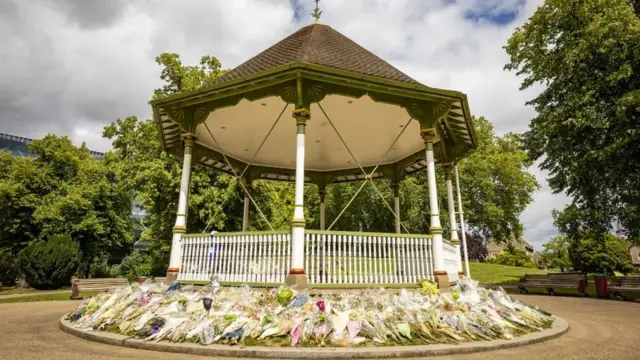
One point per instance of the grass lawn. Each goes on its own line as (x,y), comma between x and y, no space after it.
(45,297)
(11,290)
(499,274)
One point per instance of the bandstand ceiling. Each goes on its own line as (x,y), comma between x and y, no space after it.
(368,128)
(369,102)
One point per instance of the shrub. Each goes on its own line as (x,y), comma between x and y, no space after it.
(135,265)
(104,271)
(8,268)
(50,265)
(514,257)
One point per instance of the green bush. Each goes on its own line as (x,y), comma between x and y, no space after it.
(8,268)
(103,271)
(50,265)
(514,257)
(135,265)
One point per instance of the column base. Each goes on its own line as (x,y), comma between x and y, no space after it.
(297,281)
(172,276)
(442,279)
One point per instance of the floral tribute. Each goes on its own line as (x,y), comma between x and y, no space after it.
(286,317)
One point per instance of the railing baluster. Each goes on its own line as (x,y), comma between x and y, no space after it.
(384,257)
(376,273)
(348,246)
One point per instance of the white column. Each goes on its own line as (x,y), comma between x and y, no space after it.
(245,211)
(462,228)
(448,170)
(396,206)
(323,194)
(435,228)
(298,223)
(181,220)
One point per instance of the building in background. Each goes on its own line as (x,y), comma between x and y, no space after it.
(493,248)
(19,146)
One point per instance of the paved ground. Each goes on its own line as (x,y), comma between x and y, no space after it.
(599,329)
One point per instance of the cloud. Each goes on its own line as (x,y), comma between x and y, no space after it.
(70,67)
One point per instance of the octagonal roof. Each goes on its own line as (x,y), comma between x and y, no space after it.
(319,44)
(346,87)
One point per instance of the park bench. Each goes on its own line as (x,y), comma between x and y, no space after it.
(576,281)
(78,285)
(618,284)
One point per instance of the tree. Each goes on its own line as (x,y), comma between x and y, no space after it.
(495,184)
(63,190)
(556,253)
(476,247)
(604,255)
(587,55)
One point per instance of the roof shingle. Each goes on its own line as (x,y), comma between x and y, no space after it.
(319,44)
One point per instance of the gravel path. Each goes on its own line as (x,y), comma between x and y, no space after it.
(599,329)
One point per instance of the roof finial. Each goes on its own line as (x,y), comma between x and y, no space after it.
(316,13)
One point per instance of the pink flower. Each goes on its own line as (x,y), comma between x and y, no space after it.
(320,305)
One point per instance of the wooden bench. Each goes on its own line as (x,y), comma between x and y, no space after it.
(618,284)
(576,281)
(78,285)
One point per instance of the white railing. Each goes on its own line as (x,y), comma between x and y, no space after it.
(333,257)
(255,257)
(450,260)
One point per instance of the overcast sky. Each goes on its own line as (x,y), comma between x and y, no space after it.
(71,66)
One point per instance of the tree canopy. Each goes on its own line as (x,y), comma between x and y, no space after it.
(63,190)
(586,55)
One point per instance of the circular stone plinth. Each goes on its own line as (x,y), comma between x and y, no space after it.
(559,327)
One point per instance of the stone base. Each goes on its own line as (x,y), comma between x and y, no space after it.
(297,281)
(442,279)
(171,277)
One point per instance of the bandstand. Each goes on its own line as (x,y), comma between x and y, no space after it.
(355,118)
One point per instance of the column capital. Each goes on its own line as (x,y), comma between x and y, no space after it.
(301,113)
(189,139)
(429,135)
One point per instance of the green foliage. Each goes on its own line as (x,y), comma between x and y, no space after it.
(586,54)
(514,257)
(8,268)
(49,265)
(63,190)
(606,255)
(103,270)
(136,265)
(182,78)
(495,184)
(556,253)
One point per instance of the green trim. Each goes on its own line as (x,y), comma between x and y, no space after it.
(365,286)
(311,286)
(420,91)
(357,233)
(237,233)
(193,107)
(233,283)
